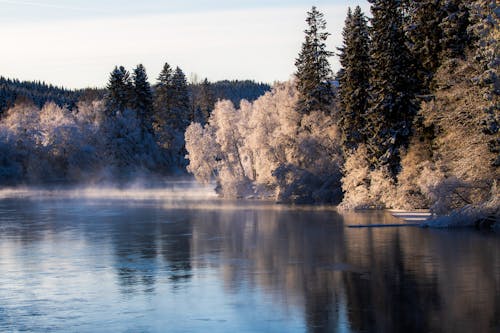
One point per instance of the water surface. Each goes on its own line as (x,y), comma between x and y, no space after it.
(179,260)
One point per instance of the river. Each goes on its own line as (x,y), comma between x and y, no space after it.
(179,259)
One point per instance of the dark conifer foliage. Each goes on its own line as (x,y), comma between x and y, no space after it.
(236,90)
(202,100)
(392,86)
(485,22)
(314,74)
(120,90)
(180,114)
(143,97)
(207,99)
(36,92)
(163,97)
(424,34)
(354,79)
(454,26)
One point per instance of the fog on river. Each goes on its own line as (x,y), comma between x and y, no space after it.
(179,259)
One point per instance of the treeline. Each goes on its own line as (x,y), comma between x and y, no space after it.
(414,122)
(38,93)
(236,90)
(14,91)
(129,128)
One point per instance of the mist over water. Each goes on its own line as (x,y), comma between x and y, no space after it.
(174,257)
(136,190)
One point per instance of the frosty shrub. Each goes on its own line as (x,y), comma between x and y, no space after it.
(364,188)
(356,181)
(418,175)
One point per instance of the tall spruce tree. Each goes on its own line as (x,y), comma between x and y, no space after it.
(118,96)
(314,74)
(143,97)
(163,97)
(180,111)
(424,34)
(354,79)
(202,100)
(485,22)
(392,87)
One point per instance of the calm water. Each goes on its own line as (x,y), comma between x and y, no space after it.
(183,261)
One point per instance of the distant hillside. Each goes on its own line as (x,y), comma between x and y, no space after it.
(37,92)
(40,93)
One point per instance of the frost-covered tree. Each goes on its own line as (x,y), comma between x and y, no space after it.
(314,75)
(142,101)
(458,169)
(261,149)
(202,157)
(392,87)
(356,181)
(354,79)
(365,187)
(463,160)
(120,88)
(48,144)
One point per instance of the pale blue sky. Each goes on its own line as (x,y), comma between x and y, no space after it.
(77,43)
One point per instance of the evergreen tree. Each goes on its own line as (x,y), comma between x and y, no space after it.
(454,26)
(119,90)
(424,36)
(207,100)
(313,69)
(392,107)
(143,97)
(163,97)
(179,116)
(354,79)
(485,19)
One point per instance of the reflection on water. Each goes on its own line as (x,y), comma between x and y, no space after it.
(182,262)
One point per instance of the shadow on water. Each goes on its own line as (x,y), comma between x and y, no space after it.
(237,266)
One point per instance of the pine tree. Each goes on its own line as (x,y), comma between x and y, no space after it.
(119,92)
(354,79)
(392,107)
(454,26)
(179,115)
(313,69)
(143,97)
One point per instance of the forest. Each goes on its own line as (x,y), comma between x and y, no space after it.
(413,123)
(410,121)
(52,135)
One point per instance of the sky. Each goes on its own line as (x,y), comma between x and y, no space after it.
(77,43)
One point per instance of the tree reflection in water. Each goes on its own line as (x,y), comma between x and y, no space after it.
(298,268)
